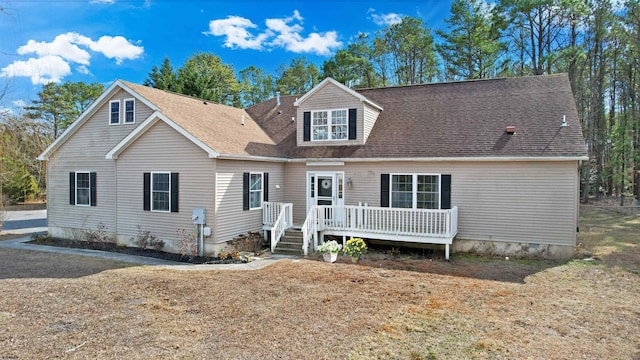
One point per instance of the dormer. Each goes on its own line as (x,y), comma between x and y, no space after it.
(332,114)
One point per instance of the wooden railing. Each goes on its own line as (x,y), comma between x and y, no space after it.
(279,223)
(389,221)
(310,230)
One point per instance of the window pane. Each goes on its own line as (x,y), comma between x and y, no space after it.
(339,117)
(339,132)
(115,112)
(256,182)
(160,182)
(161,201)
(320,118)
(428,192)
(254,199)
(128,111)
(82,180)
(82,197)
(402,191)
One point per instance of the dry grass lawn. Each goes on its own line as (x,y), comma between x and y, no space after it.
(471,308)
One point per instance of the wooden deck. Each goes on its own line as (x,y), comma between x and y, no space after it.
(425,226)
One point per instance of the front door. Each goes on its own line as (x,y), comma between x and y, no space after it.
(325,188)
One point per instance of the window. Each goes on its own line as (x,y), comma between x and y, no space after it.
(160,191)
(329,125)
(129,111)
(255,190)
(415,191)
(82,188)
(114,112)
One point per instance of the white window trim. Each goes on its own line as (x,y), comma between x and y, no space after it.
(124,118)
(119,112)
(76,188)
(151,192)
(261,190)
(414,189)
(329,125)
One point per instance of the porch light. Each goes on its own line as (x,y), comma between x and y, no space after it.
(349,183)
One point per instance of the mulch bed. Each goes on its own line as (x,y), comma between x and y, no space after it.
(112,247)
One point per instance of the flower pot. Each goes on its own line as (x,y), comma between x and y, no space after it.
(355,259)
(330,257)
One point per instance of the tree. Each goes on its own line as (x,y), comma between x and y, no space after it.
(60,105)
(472,48)
(411,51)
(300,77)
(205,76)
(348,68)
(164,78)
(256,86)
(22,139)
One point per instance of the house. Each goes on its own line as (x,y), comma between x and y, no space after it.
(486,165)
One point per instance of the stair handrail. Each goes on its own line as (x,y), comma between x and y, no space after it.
(309,229)
(282,223)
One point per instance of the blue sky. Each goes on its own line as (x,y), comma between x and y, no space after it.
(104,40)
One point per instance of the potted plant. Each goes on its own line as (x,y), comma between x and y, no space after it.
(330,250)
(354,248)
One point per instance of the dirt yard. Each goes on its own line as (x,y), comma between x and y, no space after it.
(382,308)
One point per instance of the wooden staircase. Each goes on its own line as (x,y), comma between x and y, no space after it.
(290,243)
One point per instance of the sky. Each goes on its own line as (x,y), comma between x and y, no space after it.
(104,40)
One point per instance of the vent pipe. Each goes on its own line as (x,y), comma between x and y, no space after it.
(242,120)
(277,98)
(564,121)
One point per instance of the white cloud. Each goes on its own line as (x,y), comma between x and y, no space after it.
(63,45)
(235,29)
(385,19)
(83,70)
(102,2)
(113,47)
(49,68)
(280,32)
(53,58)
(19,103)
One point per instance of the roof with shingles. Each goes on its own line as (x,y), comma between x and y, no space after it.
(457,119)
(218,126)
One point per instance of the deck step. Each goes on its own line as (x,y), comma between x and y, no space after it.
(290,243)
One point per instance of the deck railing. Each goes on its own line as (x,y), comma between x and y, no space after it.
(390,221)
(309,229)
(279,223)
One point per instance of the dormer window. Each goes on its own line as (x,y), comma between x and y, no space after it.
(330,125)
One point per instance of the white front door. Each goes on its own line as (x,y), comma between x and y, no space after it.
(325,188)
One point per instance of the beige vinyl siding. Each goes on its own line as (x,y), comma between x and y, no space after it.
(232,220)
(330,97)
(529,202)
(370,115)
(85,150)
(162,149)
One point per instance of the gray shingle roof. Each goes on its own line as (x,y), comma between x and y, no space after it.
(456,119)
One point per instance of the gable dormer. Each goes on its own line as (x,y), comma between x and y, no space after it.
(332,114)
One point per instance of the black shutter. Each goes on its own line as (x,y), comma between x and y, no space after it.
(353,121)
(307,126)
(147,191)
(265,184)
(445,191)
(92,189)
(384,190)
(175,186)
(72,188)
(245,191)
